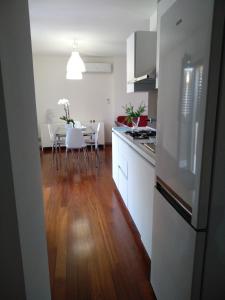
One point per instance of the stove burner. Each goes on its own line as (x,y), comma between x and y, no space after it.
(141,134)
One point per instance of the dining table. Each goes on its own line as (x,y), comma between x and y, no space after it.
(61,133)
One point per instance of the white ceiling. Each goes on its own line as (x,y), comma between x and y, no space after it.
(100,26)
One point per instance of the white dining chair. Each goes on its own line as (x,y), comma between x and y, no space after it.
(75,141)
(53,129)
(93,142)
(77,124)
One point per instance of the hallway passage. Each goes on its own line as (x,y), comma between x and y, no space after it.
(93,247)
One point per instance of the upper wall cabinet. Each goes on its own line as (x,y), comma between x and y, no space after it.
(141,61)
(162,7)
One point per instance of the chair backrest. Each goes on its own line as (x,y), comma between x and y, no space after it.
(74,138)
(55,128)
(97,135)
(60,129)
(77,124)
(51,131)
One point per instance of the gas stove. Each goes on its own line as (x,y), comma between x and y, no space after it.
(141,134)
(150,146)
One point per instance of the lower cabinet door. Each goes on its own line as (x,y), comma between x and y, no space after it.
(135,178)
(141,180)
(122,186)
(115,163)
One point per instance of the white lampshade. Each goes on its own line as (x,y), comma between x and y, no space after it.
(75,63)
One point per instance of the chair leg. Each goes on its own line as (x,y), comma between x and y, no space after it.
(59,156)
(86,153)
(91,152)
(74,157)
(66,164)
(56,157)
(53,151)
(85,157)
(52,154)
(84,160)
(79,159)
(97,158)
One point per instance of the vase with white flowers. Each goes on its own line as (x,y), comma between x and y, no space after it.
(66,117)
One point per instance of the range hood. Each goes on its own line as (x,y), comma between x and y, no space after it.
(143,83)
(141,61)
(147,78)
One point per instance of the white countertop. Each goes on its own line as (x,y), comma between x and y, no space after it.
(135,144)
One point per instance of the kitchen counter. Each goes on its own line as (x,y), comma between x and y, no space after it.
(133,171)
(135,144)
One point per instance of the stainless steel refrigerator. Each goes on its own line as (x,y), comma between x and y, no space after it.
(189,64)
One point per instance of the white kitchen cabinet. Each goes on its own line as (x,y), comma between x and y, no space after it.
(135,178)
(123,157)
(123,186)
(140,201)
(123,150)
(131,58)
(162,7)
(141,58)
(120,166)
(115,163)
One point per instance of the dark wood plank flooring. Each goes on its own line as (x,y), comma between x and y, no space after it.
(93,251)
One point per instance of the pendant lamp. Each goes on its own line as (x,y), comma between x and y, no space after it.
(75,65)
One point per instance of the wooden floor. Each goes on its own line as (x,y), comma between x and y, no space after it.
(93,252)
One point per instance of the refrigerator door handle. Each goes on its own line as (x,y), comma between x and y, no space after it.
(177,202)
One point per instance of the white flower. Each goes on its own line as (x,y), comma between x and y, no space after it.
(63,102)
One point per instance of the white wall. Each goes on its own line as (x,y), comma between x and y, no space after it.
(88,97)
